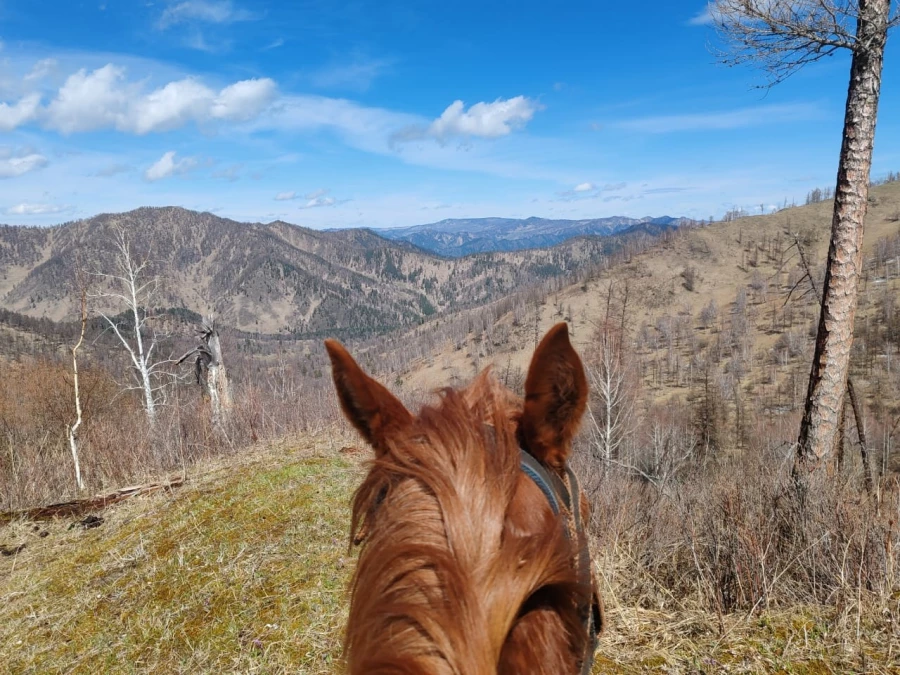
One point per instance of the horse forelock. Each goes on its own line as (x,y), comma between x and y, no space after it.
(442,579)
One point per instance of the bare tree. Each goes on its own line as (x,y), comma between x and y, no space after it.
(73,429)
(613,388)
(783,36)
(133,287)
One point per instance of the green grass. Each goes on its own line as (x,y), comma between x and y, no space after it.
(246,573)
(245,569)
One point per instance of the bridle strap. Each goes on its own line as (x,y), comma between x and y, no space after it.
(564,498)
(548,483)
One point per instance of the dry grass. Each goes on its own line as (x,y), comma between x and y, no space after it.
(245,569)
(803,641)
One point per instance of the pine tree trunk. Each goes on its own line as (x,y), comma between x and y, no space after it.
(828,377)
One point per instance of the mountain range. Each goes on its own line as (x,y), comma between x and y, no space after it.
(273,278)
(459,237)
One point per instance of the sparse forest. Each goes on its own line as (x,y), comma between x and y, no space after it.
(171,444)
(697,345)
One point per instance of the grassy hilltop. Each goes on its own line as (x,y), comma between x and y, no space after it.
(245,569)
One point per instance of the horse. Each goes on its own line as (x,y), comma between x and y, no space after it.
(473,553)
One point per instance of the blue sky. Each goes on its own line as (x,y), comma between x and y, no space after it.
(398,112)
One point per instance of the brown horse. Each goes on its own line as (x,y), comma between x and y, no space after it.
(473,560)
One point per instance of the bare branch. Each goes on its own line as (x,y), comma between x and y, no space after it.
(122,339)
(782,36)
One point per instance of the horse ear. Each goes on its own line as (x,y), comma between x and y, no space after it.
(371,408)
(556,394)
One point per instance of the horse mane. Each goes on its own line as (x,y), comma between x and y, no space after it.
(445,582)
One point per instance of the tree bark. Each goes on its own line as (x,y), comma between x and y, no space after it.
(828,376)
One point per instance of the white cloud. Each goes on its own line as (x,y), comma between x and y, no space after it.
(27,209)
(383,132)
(90,101)
(170,107)
(484,120)
(729,119)
(244,100)
(42,69)
(357,75)
(590,191)
(12,116)
(704,18)
(13,164)
(319,201)
(313,199)
(207,11)
(103,98)
(166,166)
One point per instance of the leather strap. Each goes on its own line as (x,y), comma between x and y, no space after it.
(567,494)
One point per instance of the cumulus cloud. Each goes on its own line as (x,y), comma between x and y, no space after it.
(286,196)
(484,120)
(14,164)
(481,120)
(583,187)
(103,98)
(90,101)
(244,100)
(206,11)
(26,209)
(22,112)
(166,166)
(170,107)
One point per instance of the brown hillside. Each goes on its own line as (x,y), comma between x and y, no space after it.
(270,278)
(750,261)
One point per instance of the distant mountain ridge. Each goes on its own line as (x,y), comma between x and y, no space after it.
(274,278)
(457,237)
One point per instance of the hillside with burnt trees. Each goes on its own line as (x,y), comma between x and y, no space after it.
(274,278)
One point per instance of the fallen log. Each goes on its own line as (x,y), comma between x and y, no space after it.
(80,507)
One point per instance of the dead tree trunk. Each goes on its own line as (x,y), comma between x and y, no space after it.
(828,376)
(217,379)
(210,373)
